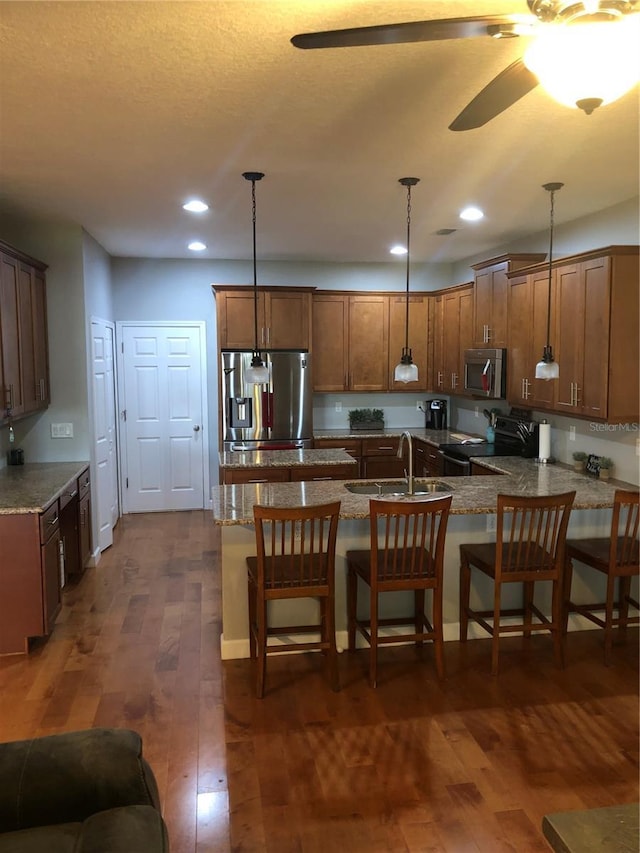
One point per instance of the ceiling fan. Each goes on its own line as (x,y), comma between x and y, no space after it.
(569,38)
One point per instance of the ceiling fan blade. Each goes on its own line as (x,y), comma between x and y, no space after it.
(503,91)
(410,31)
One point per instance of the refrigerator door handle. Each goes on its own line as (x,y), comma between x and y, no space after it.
(267,409)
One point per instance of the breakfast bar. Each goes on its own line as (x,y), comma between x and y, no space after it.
(472,512)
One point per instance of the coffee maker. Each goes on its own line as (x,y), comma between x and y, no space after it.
(435,414)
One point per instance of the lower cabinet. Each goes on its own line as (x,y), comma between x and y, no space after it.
(380,458)
(428,461)
(30,564)
(295,474)
(481,470)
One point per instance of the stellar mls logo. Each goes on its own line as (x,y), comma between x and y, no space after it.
(632,427)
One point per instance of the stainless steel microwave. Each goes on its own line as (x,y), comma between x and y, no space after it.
(485,373)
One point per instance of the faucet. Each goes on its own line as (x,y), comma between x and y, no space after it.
(406,434)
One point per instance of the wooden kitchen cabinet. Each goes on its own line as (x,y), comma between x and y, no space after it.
(84,519)
(75,525)
(528,308)
(594,334)
(437,342)
(244,476)
(50,566)
(330,342)
(350,342)
(418,338)
(316,473)
(428,461)
(352,446)
(284,317)
(457,314)
(380,458)
(490,309)
(24,369)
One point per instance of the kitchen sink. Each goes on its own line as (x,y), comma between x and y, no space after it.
(398,489)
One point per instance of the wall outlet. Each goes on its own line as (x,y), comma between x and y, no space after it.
(61,430)
(637,446)
(476,411)
(418,405)
(572,433)
(491,523)
(338,407)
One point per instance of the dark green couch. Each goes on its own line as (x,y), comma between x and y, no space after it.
(79,792)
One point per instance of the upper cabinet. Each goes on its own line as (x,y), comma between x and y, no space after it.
(451,325)
(24,368)
(594,332)
(490,297)
(330,363)
(418,338)
(284,317)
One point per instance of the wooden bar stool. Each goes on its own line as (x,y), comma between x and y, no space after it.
(407,553)
(616,556)
(529,547)
(295,558)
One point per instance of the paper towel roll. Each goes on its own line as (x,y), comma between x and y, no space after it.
(544,441)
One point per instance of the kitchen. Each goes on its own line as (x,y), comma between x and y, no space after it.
(87,278)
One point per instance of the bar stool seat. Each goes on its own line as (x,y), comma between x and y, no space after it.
(529,547)
(295,559)
(617,557)
(406,553)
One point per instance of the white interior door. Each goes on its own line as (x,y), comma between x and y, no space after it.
(162,402)
(105,475)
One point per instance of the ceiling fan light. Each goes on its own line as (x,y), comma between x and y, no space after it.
(582,64)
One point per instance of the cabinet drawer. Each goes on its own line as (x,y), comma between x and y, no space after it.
(352,445)
(49,522)
(240,476)
(324,472)
(380,446)
(70,492)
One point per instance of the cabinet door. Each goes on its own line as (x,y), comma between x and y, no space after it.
(330,345)
(287,320)
(70,534)
(569,334)
(12,396)
(591,393)
(519,347)
(482,307)
(438,344)
(383,466)
(418,317)
(236,320)
(543,393)
(51,593)
(40,338)
(465,332)
(451,343)
(368,342)
(33,338)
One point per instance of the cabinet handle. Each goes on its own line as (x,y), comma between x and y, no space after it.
(72,494)
(386,447)
(439,382)
(577,392)
(53,521)
(42,395)
(454,380)
(316,479)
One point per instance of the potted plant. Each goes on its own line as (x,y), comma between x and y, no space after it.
(579,459)
(606,465)
(366,419)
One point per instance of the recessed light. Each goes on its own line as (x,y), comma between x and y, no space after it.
(471,214)
(398,250)
(197,246)
(195,206)
(444,232)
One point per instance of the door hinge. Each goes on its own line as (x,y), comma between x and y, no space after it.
(124,414)
(127,481)
(122,347)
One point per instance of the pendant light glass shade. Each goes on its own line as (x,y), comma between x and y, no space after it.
(257,373)
(406,370)
(586,65)
(547,368)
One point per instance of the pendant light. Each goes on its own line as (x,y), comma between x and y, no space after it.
(257,374)
(406,370)
(547,368)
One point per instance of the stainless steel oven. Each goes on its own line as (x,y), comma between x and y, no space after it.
(455,466)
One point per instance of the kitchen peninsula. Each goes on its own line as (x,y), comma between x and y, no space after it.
(474,501)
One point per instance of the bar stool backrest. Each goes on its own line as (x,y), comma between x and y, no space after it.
(624,529)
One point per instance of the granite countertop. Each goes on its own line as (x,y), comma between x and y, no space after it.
(283,458)
(32,487)
(471,495)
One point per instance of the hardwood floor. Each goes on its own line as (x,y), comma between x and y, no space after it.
(471,764)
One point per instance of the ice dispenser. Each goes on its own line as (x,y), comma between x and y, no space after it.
(240,410)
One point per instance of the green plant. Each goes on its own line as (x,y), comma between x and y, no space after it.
(579,456)
(359,416)
(605,462)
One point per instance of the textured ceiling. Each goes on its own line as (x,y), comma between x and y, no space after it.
(114,113)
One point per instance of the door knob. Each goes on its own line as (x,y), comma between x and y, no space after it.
(196,428)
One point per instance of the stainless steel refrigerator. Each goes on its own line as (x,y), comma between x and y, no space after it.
(278,414)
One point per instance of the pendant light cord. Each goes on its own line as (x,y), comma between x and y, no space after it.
(255,267)
(406,322)
(551,189)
